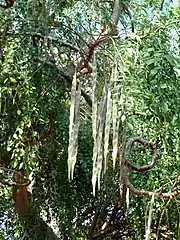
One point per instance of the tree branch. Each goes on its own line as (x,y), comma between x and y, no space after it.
(15,184)
(93,224)
(128,165)
(131,166)
(127,11)
(156,193)
(105,36)
(162,4)
(117,10)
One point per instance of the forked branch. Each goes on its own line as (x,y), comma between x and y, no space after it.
(26,181)
(157,193)
(172,194)
(151,145)
(105,36)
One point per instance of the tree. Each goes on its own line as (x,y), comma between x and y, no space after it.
(113,67)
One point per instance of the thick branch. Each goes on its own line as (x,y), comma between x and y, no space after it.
(105,36)
(117,10)
(15,184)
(93,224)
(131,166)
(88,50)
(156,193)
(125,178)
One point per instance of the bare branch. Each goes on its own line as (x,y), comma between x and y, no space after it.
(130,166)
(117,10)
(162,4)
(125,179)
(156,193)
(127,11)
(13,184)
(93,224)
(105,36)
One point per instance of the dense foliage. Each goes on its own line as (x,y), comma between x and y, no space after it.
(84,77)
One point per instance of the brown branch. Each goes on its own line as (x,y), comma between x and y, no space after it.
(105,36)
(50,126)
(125,178)
(93,224)
(117,10)
(87,51)
(156,193)
(153,147)
(15,184)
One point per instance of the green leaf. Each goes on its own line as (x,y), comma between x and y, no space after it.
(123,118)
(165,107)
(18,112)
(164,86)
(149,61)
(15,136)
(155,71)
(13,80)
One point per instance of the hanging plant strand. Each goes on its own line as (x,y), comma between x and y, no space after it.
(115,117)
(73,127)
(107,128)
(101,126)
(94,124)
